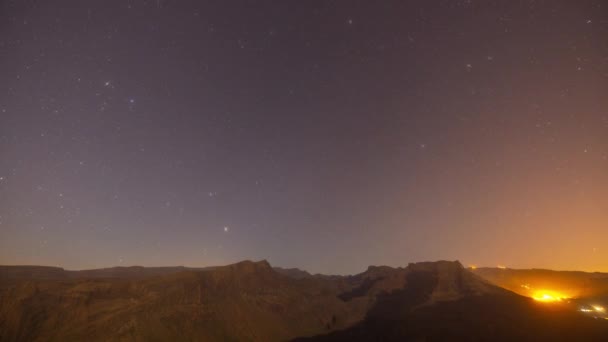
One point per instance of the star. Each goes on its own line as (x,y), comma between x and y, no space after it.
(226,229)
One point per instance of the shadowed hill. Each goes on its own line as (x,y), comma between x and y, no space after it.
(441,301)
(295,273)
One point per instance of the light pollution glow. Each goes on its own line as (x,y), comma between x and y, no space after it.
(548,296)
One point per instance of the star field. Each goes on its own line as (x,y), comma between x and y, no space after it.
(320,135)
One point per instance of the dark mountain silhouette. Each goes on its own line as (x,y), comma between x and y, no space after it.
(251,301)
(48,272)
(295,273)
(442,301)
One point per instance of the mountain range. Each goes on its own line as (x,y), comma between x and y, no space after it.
(252,301)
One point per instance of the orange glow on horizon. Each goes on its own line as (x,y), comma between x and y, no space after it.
(548,296)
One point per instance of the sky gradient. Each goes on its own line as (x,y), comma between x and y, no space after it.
(325,135)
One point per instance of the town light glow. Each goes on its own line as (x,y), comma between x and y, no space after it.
(548,296)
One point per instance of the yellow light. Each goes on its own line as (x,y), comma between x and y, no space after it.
(545,298)
(473,267)
(548,296)
(598,308)
(501,267)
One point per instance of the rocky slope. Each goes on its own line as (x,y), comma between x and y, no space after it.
(244,301)
(442,301)
(251,301)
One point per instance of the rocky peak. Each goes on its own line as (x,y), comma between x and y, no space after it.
(453,280)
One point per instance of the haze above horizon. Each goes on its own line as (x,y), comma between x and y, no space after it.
(326,136)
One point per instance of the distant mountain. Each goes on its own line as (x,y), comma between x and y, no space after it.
(251,301)
(441,301)
(16,273)
(243,301)
(525,282)
(295,273)
(48,272)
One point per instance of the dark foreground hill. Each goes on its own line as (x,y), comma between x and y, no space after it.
(251,301)
(444,302)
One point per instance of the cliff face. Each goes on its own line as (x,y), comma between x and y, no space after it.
(447,280)
(453,281)
(442,301)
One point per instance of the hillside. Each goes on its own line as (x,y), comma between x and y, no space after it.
(251,301)
(442,301)
(571,283)
(244,301)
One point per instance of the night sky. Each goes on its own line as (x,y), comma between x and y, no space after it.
(325,135)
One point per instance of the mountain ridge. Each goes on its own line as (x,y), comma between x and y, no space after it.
(248,300)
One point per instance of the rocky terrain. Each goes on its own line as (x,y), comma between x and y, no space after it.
(251,301)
